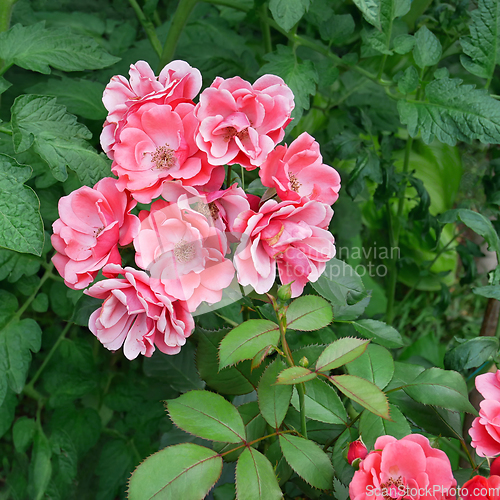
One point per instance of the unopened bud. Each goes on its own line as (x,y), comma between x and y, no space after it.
(285,292)
(304,362)
(495,467)
(357,451)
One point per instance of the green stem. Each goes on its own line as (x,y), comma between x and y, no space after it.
(179,20)
(33,381)
(394,229)
(301,389)
(6,7)
(30,299)
(5,130)
(266,30)
(148,27)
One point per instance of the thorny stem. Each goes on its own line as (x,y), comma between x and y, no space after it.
(179,20)
(148,27)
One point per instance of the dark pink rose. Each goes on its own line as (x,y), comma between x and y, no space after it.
(481,488)
(293,235)
(495,467)
(177,80)
(404,468)
(241,123)
(93,222)
(135,316)
(184,252)
(357,450)
(299,172)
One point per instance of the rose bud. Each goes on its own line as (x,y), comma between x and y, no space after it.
(356,450)
(495,467)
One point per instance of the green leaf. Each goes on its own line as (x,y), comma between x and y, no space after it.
(386,11)
(186,471)
(207,415)
(342,287)
(17,339)
(40,466)
(367,167)
(239,379)
(453,112)
(477,222)
(443,388)
(287,13)
(375,365)
(262,355)
(295,375)
(81,97)
(178,371)
(427,50)
(308,460)
(23,433)
(255,478)
(488,291)
(482,48)
(408,83)
(371,427)
(380,332)
(274,400)
(246,340)
(363,392)
(471,354)
(300,77)
(308,313)
(322,403)
(21,226)
(57,137)
(36,48)
(7,411)
(340,352)
(376,12)
(403,44)
(14,265)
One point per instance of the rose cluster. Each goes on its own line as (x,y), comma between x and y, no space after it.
(196,234)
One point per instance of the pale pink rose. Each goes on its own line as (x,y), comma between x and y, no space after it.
(135,316)
(93,222)
(485,430)
(293,235)
(488,385)
(241,123)
(156,145)
(221,207)
(299,172)
(184,253)
(400,467)
(177,80)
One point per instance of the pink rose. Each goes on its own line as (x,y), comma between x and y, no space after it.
(135,316)
(298,172)
(403,468)
(241,123)
(221,207)
(485,430)
(481,488)
(293,235)
(93,222)
(157,144)
(488,385)
(184,253)
(177,80)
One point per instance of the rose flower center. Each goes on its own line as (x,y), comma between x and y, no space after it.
(163,157)
(294,182)
(393,489)
(184,252)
